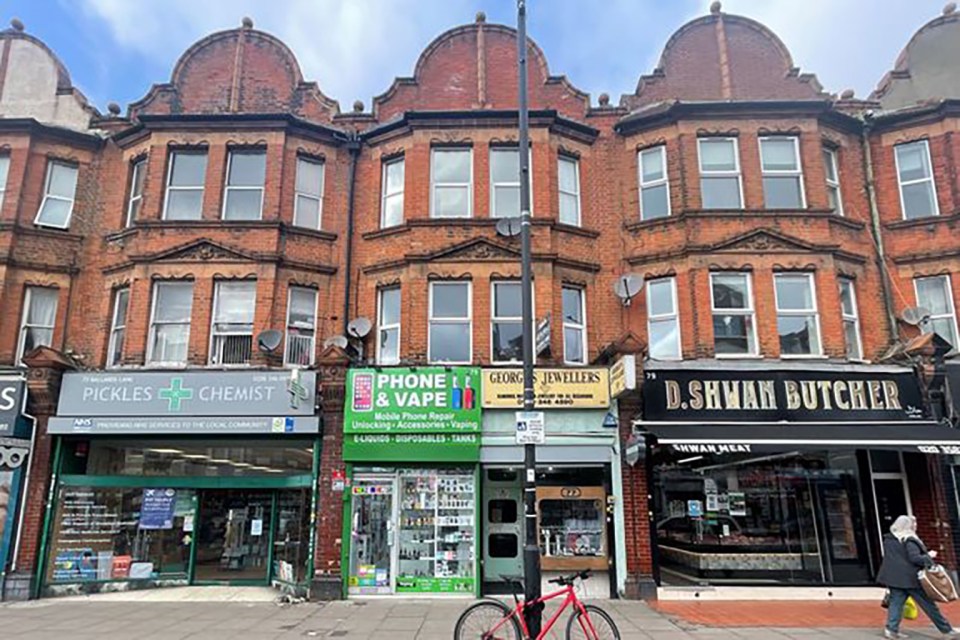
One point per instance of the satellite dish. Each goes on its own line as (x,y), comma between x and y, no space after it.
(508,227)
(268,341)
(627,287)
(915,315)
(335,341)
(360,327)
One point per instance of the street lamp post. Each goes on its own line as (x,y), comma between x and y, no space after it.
(531,547)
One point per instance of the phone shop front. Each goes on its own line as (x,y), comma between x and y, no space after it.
(412,444)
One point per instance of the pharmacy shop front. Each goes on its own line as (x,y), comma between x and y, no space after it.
(411,446)
(189,477)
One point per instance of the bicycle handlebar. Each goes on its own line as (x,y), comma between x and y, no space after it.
(569,580)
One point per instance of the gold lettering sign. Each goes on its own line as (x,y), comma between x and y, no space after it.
(587,388)
(623,375)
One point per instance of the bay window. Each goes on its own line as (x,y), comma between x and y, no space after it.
(38,320)
(243,193)
(301,327)
(918,192)
(451,183)
(450,336)
(185,183)
(782,173)
(170,323)
(59,190)
(388,326)
(506,322)
(308,199)
(663,319)
(574,326)
(734,321)
(231,334)
(798,322)
(118,326)
(654,183)
(720,186)
(935,294)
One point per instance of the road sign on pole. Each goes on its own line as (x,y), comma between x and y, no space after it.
(530,427)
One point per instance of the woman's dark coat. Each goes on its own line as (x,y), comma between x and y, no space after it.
(902,561)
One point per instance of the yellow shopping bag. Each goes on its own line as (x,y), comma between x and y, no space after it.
(910,609)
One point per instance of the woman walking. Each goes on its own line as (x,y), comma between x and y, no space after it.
(903,556)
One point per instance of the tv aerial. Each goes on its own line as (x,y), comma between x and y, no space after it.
(268,341)
(359,328)
(627,287)
(915,315)
(508,227)
(335,341)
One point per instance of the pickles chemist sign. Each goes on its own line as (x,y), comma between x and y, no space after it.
(427,414)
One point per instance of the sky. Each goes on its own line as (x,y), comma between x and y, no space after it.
(116,49)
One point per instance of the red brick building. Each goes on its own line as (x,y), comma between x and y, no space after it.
(234,220)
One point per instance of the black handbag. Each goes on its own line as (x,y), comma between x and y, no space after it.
(885,603)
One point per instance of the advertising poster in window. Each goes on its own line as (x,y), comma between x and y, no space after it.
(738,503)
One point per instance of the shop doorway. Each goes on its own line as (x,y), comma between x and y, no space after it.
(251,536)
(503,528)
(233,536)
(373,567)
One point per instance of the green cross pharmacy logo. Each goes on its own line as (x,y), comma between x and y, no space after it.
(175,394)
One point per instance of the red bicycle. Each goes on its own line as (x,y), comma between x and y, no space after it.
(493,620)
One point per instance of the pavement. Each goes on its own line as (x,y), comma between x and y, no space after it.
(202,613)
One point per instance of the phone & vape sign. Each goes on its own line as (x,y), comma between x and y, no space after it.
(403,414)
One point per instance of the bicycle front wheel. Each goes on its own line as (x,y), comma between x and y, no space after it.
(487,620)
(592,624)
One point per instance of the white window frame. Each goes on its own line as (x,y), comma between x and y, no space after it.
(386,195)
(511,319)
(116,328)
(661,149)
(853,318)
(673,316)
(391,326)
(214,334)
(227,187)
(434,185)
(4,175)
(136,168)
(152,339)
(932,180)
(585,350)
(468,320)
(783,173)
(287,326)
(202,187)
(27,299)
(561,158)
(750,310)
(833,155)
(953,309)
(737,173)
(815,311)
(297,194)
(516,185)
(46,194)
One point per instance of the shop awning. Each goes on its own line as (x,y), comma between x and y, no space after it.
(922,436)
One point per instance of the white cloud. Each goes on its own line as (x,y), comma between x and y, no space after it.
(846,43)
(352,49)
(355,48)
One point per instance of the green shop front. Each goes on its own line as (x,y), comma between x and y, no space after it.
(412,446)
(182,477)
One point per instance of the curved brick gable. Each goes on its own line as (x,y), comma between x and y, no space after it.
(238,71)
(475,67)
(724,57)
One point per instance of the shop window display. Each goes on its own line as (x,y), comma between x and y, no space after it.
(783,518)
(119,534)
(413,531)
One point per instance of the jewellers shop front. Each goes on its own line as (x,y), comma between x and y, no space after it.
(182,477)
(580,522)
(776,474)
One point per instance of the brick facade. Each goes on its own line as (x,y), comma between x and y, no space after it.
(241,89)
